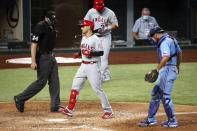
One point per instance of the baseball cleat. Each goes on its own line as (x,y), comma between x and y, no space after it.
(147,122)
(66,111)
(107,79)
(19,104)
(107,115)
(169,123)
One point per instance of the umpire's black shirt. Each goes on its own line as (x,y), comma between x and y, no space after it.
(45,35)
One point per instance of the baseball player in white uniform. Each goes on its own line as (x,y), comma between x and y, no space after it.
(104,21)
(91,50)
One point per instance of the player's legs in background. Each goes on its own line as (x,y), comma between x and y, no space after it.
(54,87)
(166,99)
(106,42)
(94,77)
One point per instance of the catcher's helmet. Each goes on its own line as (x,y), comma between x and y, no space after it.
(98,4)
(155,30)
(87,23)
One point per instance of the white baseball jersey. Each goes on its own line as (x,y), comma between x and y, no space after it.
(91,71)
(102,20)
(92,43)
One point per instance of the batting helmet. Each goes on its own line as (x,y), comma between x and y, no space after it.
(98,4)
(87,23)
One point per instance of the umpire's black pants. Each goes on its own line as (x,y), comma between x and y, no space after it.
(47,69)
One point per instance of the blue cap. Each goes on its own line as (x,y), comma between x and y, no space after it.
(155,30)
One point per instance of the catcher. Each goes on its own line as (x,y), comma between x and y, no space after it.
(169,54)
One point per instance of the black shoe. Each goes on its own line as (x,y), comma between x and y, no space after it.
(19,104)
(55,109)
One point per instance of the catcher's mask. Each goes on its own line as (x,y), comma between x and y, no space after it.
(52,17)
(155,30)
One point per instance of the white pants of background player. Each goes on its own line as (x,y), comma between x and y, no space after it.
(106,42)
(93,74)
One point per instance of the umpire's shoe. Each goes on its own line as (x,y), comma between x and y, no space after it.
(19,104)
(56,109)
(147,122)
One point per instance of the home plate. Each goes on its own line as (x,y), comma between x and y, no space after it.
(56,120)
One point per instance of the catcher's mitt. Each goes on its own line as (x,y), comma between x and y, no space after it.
(151,76)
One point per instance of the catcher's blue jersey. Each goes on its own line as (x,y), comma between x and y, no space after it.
(167,46)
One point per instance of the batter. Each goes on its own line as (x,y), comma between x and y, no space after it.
(91,50)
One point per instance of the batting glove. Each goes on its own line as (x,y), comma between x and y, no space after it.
(75,55)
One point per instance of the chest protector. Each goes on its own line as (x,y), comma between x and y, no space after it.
(160,42)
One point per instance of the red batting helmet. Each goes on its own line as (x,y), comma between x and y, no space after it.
(98,4)
(87,23)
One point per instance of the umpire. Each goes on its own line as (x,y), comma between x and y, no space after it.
(43,60)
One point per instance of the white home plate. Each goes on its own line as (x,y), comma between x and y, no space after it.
(56,120)
(28,60)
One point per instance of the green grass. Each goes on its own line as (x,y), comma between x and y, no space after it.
(127,84)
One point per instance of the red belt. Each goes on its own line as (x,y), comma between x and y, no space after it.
(100,35)
(88,62)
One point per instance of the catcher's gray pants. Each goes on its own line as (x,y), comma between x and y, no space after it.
(47,69)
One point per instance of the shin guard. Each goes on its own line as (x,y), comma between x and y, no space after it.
(153,108)
(168,106)
(73,99)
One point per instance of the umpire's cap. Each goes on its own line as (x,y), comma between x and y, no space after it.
(51,15)
(155,30)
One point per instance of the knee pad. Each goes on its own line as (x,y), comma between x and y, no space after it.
(156,93)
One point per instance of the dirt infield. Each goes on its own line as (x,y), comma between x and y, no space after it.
(87,115)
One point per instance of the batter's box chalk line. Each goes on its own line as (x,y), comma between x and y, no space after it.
(139,115)
(70,128)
